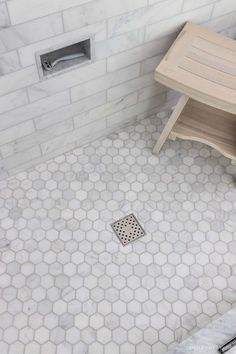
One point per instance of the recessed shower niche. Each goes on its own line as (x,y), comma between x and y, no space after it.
(61,58)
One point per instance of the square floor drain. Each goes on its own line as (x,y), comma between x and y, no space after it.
(128,229)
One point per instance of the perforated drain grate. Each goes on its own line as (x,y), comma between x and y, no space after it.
(128,229)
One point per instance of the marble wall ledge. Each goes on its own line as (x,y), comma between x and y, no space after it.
(209,339)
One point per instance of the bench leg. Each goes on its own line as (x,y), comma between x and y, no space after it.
(172,136)
(171,122)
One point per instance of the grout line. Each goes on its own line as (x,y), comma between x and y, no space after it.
(212,11)
(62,21)
(48,157)
(77,7)
(8,13)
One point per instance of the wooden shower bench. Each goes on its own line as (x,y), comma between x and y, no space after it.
(202,66)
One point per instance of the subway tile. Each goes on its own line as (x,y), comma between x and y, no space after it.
(36,138)
(223,7)
(130,86)
(98,134)
(70,110)
(112,46)
(98,29)
(123,116)
(176,23)
(21,158)
(150,113)
(25,10)
(140,53)
(16,132)
(4,18)
(67,80)
(27,53)
(32,110)
(3,174)
(2,48)
(150,64)
(142,17)
(9,62)
(100,101)
(193,4)
(230,32)
(13,100)
(104,82)
(73,136)
(39,159)
(17,80)
(151,91)
(151,2)
(98,10)
(172,98)
(105,110)
(221,23)
(30,32)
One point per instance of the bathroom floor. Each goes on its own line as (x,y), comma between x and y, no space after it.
(67,285)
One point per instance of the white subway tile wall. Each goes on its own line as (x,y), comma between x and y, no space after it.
(42,119)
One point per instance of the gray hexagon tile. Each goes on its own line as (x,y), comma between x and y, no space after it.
(68,286)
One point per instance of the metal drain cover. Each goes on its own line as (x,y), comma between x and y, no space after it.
(128,229)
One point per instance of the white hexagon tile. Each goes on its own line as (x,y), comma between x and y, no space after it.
(68,286)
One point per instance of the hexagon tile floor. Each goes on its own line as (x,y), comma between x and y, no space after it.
(67,284)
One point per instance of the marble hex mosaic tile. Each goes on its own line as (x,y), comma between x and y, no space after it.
(68,286)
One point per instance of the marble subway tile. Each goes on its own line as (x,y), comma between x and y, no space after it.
(75,135)
(70,110)
(3,173)
(125,115)
(98,10)
(32,110)
(223,7)
(105,82)
(35,138)
(23,10)
(27,53)
(30,32)
(112,46)
(139,53)
(175,24)
(172,98)
(17,80)
(9,62)
(230,32)
(151,2)
(67,80)
(98,29)
(218,24)
(150,113)
(130,40)
(38,160)
(151,91)
(130,86)
(191,4)
(143,17)
(13,100)
(21,158)
(4,18)
(150,64)
(105,110)
(16,132)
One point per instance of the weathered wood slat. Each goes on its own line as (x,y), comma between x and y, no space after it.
(202,66)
